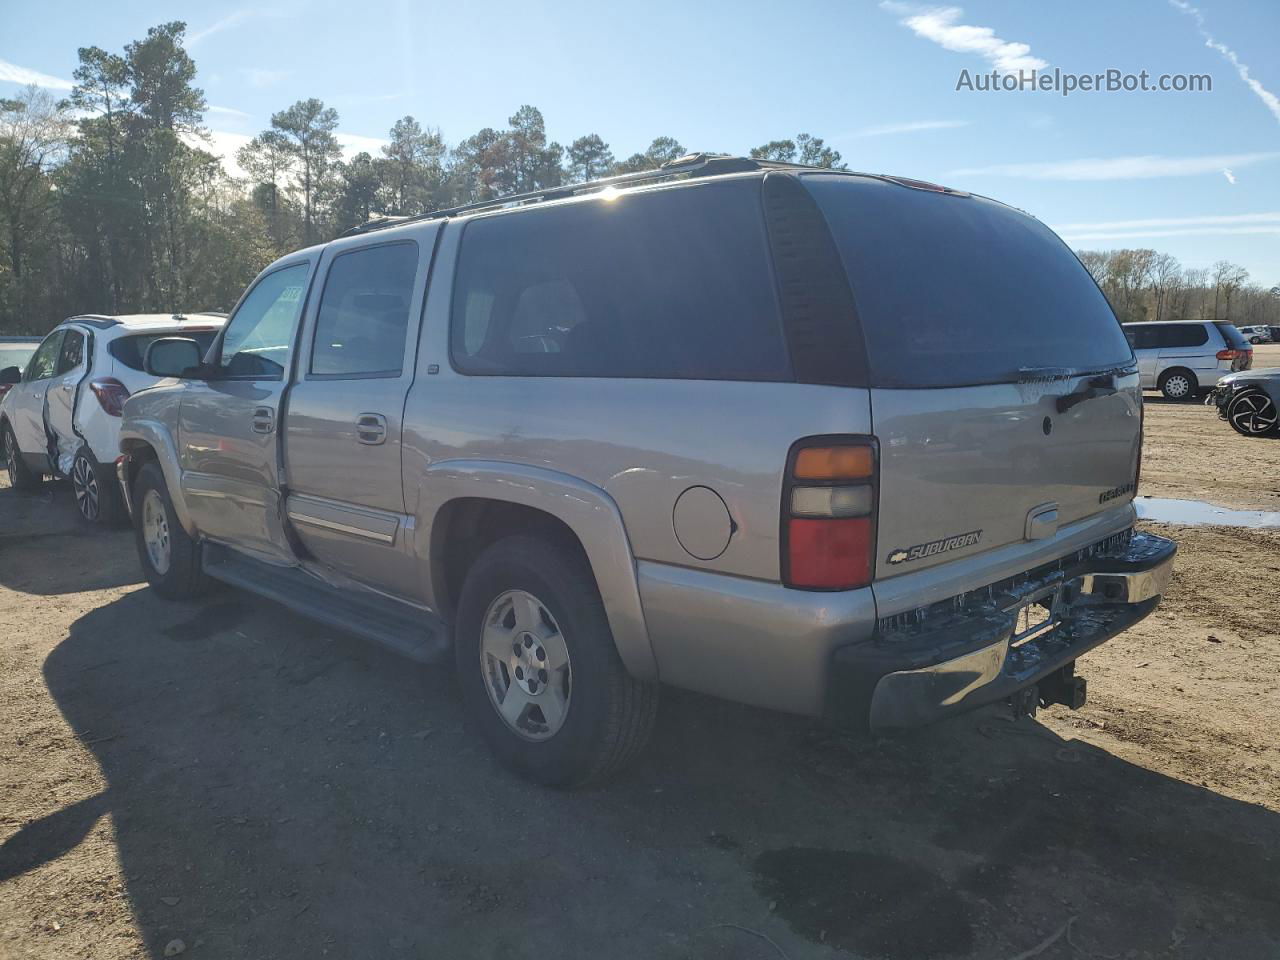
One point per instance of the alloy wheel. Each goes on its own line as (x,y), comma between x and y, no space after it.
(1253,413)
(155,532)
(11,458)
(525,665)
(85,483)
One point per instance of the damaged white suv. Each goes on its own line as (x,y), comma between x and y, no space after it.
(62,414)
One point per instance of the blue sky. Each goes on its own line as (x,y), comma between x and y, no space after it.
(876,79)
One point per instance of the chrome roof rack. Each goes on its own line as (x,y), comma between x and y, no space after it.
(693,165)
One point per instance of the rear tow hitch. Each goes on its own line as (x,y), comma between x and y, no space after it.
(1062,686)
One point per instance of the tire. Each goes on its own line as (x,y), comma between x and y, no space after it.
(173,569)
(574,723)
(1252,413)
(97,494)
(21,476)
(1178,384)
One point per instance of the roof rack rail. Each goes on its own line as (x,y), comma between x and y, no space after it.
(98,320)
(693,164)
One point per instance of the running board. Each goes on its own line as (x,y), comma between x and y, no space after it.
(414,633)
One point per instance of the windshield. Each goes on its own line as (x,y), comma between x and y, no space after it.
(958,290)
(16,354)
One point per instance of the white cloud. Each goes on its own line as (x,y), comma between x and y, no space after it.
(912,127)
(12,73)
(233,19)
(225,144)
(1117,168)
(354,143)
(1164,223)
(1229,174)
(1271,101)
(261,79)
(228,112)
(942,26)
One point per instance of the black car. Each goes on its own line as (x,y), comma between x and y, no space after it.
(1249,401)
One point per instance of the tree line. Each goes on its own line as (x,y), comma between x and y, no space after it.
(111,201)
(1146,285)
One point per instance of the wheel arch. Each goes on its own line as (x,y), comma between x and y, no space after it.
(462,505)
(145,440)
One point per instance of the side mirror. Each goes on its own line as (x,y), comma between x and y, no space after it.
(172,357)
(11,375)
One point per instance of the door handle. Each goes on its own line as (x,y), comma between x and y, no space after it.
(371,428)
(264,420)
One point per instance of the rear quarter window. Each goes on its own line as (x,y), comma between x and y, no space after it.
(958,290)
(673,284)
(1235,339)
(1184,335)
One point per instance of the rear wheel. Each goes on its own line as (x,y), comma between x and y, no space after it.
(97,499)
(539,672)
(170,557)
(1178,385)
(1253,414)
(21,476)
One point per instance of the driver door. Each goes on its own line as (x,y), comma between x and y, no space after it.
(25,404)
(228,429)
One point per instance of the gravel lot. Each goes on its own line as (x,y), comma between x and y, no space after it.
(226,774)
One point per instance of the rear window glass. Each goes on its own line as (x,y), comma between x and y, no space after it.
(1235,339)
(132,350)
(670,284)
(954,291)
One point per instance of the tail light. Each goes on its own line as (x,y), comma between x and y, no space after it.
(829,505)
(111,394)
(1228,354)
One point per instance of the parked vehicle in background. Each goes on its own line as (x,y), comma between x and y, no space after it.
(1275,334)
(1249,401)
(14,354)
(594,438)
(63,415)
(1260,333)
(1183,358)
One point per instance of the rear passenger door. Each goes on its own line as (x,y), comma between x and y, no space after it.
(345,412)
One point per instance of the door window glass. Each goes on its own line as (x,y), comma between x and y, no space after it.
(1184,335)
(259,336)
(72,351)
(45,360)
(364,312)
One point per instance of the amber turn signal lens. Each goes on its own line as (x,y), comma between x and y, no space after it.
(835,463)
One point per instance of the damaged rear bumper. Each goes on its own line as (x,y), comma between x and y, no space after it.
(994,643)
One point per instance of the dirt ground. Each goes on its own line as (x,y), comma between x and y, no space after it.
(226,774)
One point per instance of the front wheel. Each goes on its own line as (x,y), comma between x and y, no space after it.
(21,477)
(539,672)
(1253,414)
(170,557)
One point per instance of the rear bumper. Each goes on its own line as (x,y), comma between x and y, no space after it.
(967,652)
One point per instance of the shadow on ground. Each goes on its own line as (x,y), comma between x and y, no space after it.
(74,555)
(302,792)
